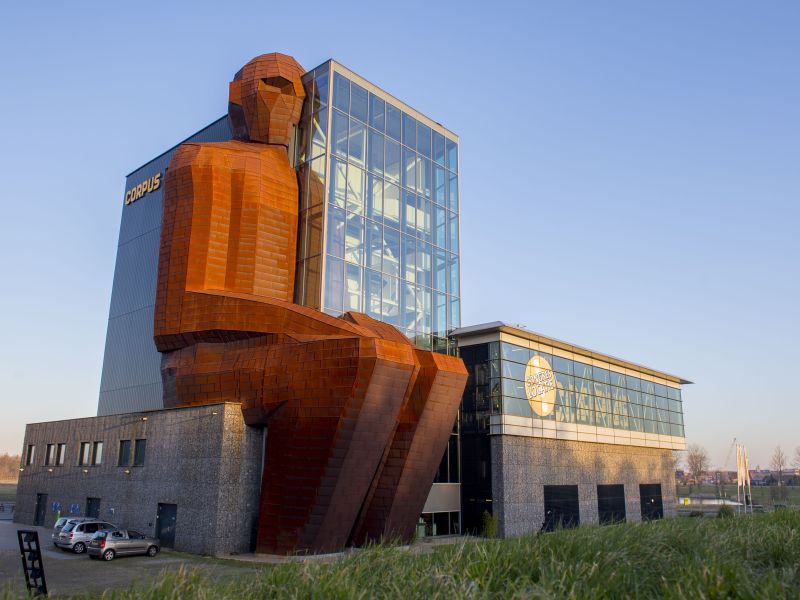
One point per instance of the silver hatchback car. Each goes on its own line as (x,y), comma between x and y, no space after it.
(109,544)
(61,522)
(76,535)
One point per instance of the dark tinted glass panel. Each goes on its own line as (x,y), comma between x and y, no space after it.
(139,452)
(560,507)
(611,504)
(651,501)
(124,453)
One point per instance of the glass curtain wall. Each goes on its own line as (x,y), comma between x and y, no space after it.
(585,394)
(390,212)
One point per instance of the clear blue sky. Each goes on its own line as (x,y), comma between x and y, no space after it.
(630,175)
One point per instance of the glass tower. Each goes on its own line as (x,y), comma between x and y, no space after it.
(378,209)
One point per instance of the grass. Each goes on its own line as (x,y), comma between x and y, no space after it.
(8,492)
(746,557)
(765,496)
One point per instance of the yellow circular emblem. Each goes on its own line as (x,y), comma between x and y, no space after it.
(540,386)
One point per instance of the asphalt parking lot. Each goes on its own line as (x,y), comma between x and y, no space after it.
(68,573)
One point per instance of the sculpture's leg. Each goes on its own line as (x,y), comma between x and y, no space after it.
(339,401)
(418,444)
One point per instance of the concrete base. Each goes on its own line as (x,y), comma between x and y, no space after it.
(522,466)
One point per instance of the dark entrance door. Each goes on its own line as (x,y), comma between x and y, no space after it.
(93,507)
(650,497)
(41,509)
(165,524)
(560,507)
(611,504)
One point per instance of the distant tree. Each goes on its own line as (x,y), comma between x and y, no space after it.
(797,458)
(9,468)
(778,463)
(696,461)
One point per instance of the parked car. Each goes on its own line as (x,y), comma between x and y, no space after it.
(76,535)
(108,544)
(61,522)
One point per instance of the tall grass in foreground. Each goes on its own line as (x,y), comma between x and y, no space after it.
(753,557)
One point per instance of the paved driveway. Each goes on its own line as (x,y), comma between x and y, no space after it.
(69,573)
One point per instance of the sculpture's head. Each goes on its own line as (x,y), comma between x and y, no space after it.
(266,98)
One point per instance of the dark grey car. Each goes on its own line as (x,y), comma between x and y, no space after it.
(120,542)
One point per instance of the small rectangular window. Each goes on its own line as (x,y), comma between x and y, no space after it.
(139,452)
(50,455)
(85,454)
(97,453)
(61,453)
(30,454)
(124,453)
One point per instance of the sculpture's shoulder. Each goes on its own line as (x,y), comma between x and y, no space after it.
(227,153)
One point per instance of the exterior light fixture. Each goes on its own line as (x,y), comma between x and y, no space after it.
(21,469)
(50,470)
(144,418)
(86,470)
(213,412)
(127,471)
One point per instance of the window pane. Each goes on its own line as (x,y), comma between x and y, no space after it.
(334,284)
(390,300)
(374,197)
(374,246)
(319,124)
(352,299)
(393,119)
(440,315)
(358,142)
(392,160)
(139,452)
(339,133)
(424,219)
(409,213)
(336,222)
(424,317)
(438,148)
(391,204)
(424,176)
(454,319)
(338,187)
(372,293)
(439,185)
(341,92)
(358,102)
(439,226)
(375,157)
(321,91)
(453,285)
(452,156)
(452,194)
(355,189)
(409,259)
(408,312)
(354,240)
(391,251)
(124,453)
(424,140)
(452,242)
(424,264)
(377,110)
(439,270)
(409,131)
(409,169)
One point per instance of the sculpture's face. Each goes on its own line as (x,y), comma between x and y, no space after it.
(266,99)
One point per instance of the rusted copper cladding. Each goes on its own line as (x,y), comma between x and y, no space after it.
(338,395)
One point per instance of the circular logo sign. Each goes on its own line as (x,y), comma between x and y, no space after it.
(540,386)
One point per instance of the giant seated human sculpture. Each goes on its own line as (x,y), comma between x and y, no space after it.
(357,417)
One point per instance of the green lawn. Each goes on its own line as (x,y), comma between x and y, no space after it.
(766,496)
(744,557)
(8,492)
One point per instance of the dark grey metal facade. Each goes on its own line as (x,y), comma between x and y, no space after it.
(131,379)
